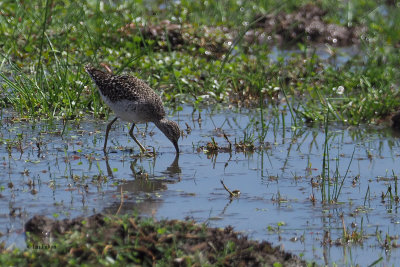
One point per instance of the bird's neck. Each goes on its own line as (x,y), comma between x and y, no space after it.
(161,124)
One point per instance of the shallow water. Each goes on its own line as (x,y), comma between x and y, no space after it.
(69,176)
(329,56)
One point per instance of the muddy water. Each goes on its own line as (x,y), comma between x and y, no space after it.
(66,175)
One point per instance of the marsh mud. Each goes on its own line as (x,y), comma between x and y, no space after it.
(150,245)
(306,25)
(339,208)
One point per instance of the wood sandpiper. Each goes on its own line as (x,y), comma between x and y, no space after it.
(132,100)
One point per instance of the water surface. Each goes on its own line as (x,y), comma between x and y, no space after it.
(65,175)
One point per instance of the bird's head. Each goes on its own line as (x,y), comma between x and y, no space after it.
(171,131)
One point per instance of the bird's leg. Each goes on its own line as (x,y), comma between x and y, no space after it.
(134,138)
(107,130)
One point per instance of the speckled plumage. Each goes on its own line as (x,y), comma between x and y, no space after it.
(134,101)
(116,90)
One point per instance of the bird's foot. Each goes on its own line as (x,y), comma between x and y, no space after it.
(147,153)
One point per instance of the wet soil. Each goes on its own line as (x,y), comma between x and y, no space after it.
(184,236)
(395,120)
(306,25)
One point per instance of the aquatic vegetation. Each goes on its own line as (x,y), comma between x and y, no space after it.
(329,194)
